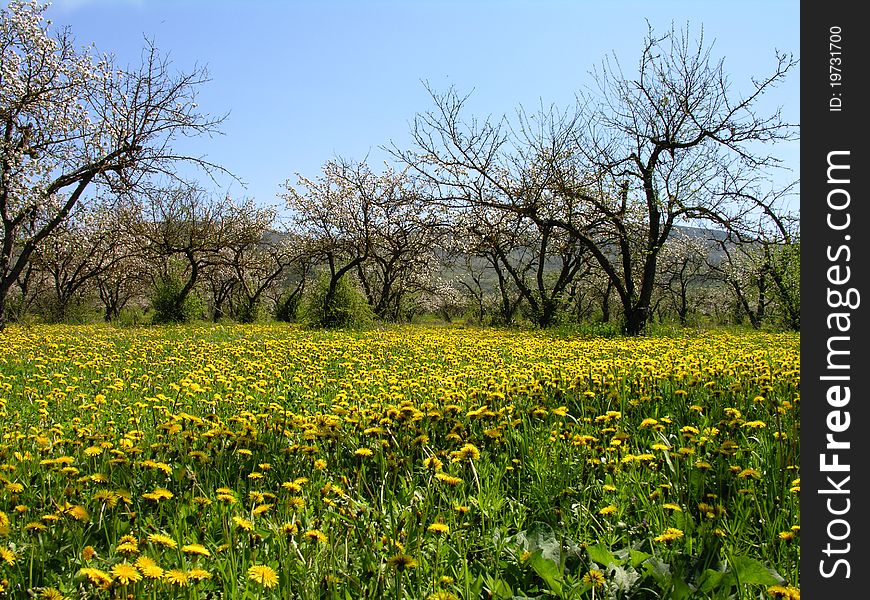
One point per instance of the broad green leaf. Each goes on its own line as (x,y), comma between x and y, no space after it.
(751,571)
(547,570)
(601,555)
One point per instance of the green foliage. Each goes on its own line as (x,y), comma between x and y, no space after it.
(345,308)
(130,317)
(168,304)
(288,307)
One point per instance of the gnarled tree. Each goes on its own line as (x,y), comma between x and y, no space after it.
(71,123)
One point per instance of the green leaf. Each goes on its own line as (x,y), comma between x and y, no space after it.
(711,581)
(547,570)
(600,554)
(751,571)
(637,558)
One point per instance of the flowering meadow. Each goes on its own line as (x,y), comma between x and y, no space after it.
(271,461)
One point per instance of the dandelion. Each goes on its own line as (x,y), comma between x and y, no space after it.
(468,451)
(314,535)
(402,562)
(448,479)
(88,552)
(243,524)
(79,513)
(438,528)
(788,592)
(363,452)
(175,577)
(594,577)
(264,575)
(441,595)
(433,462)
(289,529)
(50,593)
(199,574)
(319,464)
(158,494)
(153,572)
(607,510)
(96,577)
(195,549)
(128,548)
(670,534)
(672,507)
(160,539)
(125,573)
(8,556)
(754,473)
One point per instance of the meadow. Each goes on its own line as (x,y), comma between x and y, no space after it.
(418,462)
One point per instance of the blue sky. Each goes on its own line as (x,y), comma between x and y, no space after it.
(305,81)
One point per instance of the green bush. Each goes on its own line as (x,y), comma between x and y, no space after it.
(169,306)
(348,307)
(288,307)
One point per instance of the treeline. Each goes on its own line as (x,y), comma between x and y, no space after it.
(650,199)
(389,254)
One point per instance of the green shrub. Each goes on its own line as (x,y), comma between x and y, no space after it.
(169,306)
(348,307)
(288,307)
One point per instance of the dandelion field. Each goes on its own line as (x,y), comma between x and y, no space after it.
(270,461)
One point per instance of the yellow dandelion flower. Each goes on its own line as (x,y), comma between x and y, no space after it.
(314,535)
(125,573)
(788,592)
(263,508)
(670,534)
(243,524)
(438,528)
(672,507)
(96,577)
(8,556)
(319,464)
(753,473)
(161,539)
(433,462)
(448,479)
(594,577)
(363,452)
(154,572)
(88,552)
(175,577)
(289,529)
(128,548)
(264,575)
(199,574)
(50,593)
(79,513)
(607,510)
(195,549)
(402,562)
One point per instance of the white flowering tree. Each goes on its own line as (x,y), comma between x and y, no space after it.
(189,231)
(672,143)
(83,248)
(72,122)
